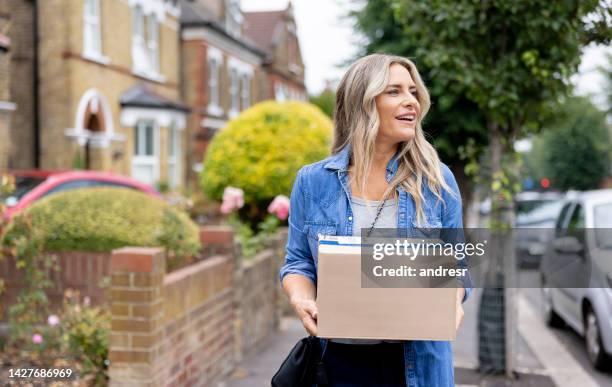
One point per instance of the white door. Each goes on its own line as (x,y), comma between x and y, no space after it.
(145,163)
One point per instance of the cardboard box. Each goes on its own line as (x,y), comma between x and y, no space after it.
(348,310)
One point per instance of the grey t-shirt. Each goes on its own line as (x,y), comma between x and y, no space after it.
(364,213)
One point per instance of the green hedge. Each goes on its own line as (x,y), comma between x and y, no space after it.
(102,219)
(261,150)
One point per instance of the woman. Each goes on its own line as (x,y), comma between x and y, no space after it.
(382,173)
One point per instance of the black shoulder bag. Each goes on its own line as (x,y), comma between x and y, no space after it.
(302,367)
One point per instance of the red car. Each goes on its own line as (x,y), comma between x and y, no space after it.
(32,185)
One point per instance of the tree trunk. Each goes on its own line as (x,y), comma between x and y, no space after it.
(495,316)
(465,187)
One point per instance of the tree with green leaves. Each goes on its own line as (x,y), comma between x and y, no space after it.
(574,150)
(607,73)
(507,61)
(510,61)
(325,101)
(454,124)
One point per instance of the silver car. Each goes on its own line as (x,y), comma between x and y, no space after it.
(576,272)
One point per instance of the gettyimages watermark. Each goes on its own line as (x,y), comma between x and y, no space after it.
(480,258)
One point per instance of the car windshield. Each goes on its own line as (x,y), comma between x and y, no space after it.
(546,212)
(602,215)
(526,206)
(23,185)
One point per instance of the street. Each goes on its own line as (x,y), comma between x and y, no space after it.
(570,340)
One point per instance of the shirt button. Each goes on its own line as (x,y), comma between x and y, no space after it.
(350,218)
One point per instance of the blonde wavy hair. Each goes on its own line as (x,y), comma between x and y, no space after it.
(356,124)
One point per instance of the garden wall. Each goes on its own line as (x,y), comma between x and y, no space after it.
(82,271)
(193,326)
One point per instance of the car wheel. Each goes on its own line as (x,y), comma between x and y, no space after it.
(551,318)
(594,344)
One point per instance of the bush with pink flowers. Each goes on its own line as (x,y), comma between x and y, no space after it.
(233,199)
(254,239)
(76,338)
(280,207)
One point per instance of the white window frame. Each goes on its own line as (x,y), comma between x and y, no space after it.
(174,155)
(280,93)
(92,31)
(240,96)
(214,62)
(153,42)
(140,158)
(233,17)
(245,93)
(234,90)
(139,48)
(145,42)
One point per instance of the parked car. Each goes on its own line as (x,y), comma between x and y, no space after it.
(524,202)
(33,185)
(576,272)
(534,230)
(535,216)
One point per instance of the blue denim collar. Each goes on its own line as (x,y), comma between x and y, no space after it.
(340,161)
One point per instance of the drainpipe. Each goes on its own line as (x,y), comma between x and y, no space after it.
(36,83)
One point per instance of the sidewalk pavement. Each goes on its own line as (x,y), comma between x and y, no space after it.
(258,368)
(533,369)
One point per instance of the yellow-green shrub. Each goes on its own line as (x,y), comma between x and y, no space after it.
(102,219)
(261,150)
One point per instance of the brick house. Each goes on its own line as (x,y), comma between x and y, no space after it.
(107,95)
(276,33)
(222,71)
(137,87)
(232,60)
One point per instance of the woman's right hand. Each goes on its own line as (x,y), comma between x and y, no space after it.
(301,292)
(307,311)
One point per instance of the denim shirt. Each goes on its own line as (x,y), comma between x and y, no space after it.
(320,204)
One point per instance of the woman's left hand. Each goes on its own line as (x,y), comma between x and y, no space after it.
(459,313)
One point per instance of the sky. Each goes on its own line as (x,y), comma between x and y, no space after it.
(327,40)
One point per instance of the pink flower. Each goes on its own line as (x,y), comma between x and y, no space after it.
(86,301)
(53,320)
(37,338)
(279,207)
(233,199)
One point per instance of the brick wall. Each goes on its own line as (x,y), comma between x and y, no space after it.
(136,307)
(190,327)
(199,342)
(82,271)
(258,314)
(85,271)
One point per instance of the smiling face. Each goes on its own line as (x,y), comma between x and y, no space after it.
(398,107)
